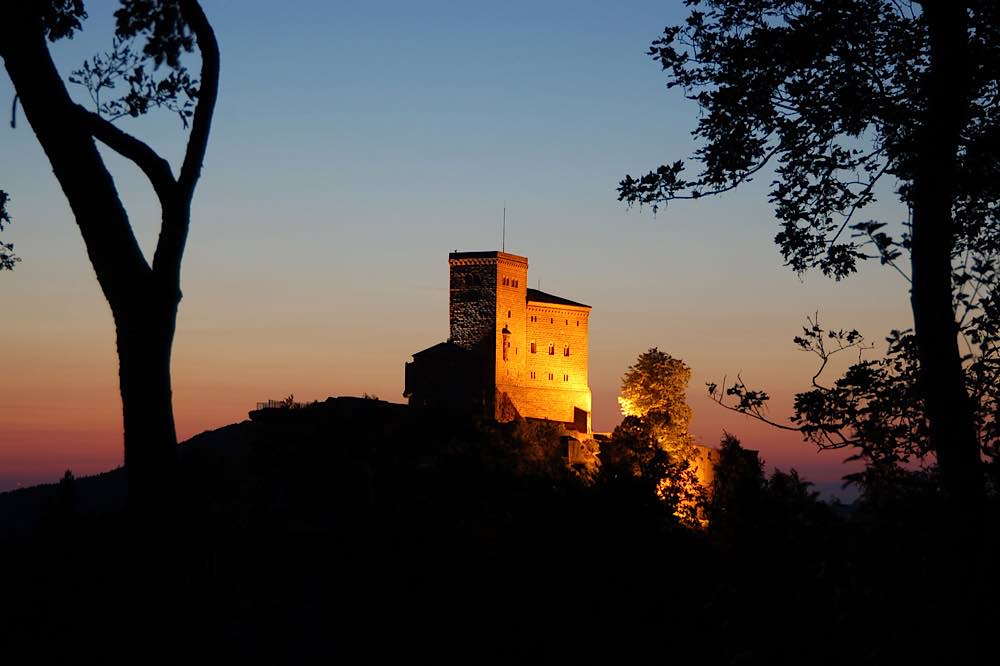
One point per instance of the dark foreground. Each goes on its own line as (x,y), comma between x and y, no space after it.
(368,532)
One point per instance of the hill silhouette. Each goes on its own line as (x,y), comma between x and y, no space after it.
(357,528)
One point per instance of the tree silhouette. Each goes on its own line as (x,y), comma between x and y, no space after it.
(876,409)
(143,296)
(737,491)
(845,99)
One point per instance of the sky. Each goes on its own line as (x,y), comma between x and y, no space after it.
(354,146)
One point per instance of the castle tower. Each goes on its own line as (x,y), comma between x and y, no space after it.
(486,311)
(513,351)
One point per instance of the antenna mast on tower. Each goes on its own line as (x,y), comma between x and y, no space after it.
(503,234)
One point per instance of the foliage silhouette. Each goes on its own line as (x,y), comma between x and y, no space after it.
(843,99)
(737,491)
(876,409)
(143,295)
(7,256)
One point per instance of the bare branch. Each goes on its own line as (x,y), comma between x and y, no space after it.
(148,160)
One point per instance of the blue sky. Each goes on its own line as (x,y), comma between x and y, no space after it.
(354,146)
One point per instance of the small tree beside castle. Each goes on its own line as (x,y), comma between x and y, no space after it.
(653,443)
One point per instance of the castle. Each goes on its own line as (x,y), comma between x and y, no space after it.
(512,351)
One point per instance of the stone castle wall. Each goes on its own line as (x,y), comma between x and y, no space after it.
(472,300)
(552,385)
(559,334)
(556,404)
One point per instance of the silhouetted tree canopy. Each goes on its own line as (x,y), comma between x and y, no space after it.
(737,491)
(844,101)
(876,410)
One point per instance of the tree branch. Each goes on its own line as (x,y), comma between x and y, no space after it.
(207,94)
(176,219)
(155,167)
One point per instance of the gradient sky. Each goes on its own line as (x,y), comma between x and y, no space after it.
(356,144)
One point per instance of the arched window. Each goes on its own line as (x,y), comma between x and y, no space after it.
(565,350)
(552,350)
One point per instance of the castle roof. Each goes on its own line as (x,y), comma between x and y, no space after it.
(448,348)
(538,296)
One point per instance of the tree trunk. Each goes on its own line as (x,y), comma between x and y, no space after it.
(145,337)
(949,408)
(143,301)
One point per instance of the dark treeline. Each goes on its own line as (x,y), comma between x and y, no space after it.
(367,530)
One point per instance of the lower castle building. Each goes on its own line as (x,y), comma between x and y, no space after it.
(512,351)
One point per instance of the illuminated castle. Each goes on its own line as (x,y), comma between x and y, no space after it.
(513,351)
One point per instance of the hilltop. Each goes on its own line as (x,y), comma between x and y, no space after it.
(357,528)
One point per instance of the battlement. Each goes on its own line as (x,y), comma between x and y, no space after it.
(484,258)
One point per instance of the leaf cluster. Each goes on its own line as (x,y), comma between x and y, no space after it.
(7,256)
(657,382)
(148,35)
(61,18)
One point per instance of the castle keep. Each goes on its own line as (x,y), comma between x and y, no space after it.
(512,351)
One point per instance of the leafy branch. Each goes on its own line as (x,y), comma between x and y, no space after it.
(126,66)
(7,256)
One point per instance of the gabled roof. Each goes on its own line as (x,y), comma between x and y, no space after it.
(440,349)
(538,296)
